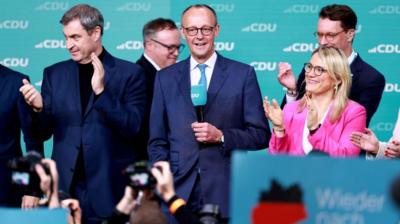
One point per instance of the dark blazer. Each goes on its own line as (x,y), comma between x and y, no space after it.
(14,117)
(105,131)
(143,137)
(234,106)
(366,89)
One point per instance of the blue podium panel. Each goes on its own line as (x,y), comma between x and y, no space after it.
(275,189)
(33,216)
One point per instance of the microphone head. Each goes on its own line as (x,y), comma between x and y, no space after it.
(199,95)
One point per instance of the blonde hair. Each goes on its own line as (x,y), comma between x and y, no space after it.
(338,69)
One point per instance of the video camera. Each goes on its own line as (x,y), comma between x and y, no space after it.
(140,176)
(24,175)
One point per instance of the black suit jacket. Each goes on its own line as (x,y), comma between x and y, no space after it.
(143,137)
(14,117)
(366,89)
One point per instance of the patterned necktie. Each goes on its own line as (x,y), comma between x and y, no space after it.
(203,79)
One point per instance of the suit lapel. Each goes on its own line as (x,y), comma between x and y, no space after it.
(183,79)
(75,85)
(217,79)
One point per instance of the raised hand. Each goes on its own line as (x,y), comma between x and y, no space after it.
(286,76)
(275,114)
(312,116)
(393,149)
(32,97)
(98,75)
(366,140)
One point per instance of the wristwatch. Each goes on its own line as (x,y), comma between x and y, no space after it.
(292,92)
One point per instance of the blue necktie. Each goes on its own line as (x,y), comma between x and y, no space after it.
(203,79)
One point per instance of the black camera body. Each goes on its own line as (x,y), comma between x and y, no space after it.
(140,176)
(24,175)
(210,214)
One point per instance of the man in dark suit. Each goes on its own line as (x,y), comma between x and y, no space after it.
(14,117)
(200,152)
(336,27)
(93,105)
(162,46)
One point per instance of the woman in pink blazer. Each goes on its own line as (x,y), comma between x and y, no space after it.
(324,118)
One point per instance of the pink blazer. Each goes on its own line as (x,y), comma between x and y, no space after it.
(331,138)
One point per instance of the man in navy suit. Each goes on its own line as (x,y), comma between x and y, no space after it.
(200,152)
(93,105)
(162,46)
(15,115)
(336,27)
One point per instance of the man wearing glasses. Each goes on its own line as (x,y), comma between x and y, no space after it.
(336,27)
(162,46)
(199,151)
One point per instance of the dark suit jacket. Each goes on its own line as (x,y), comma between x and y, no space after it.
(14,117)
(234,106)
(367,86)
(143,137)
(105,131)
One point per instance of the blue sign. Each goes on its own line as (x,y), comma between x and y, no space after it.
(272,189)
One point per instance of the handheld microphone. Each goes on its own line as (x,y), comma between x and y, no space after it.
(199,100)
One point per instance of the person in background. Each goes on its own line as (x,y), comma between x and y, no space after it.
(376,149)
(323,119)
(162,46)
(337,27)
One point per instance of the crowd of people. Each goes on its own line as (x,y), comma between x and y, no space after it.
(105,113)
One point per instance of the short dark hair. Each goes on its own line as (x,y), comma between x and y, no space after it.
(202,6)
(89,17)
(156,25)
(342,13)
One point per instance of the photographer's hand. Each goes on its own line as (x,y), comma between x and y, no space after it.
(75,210)
(49,183)
(29,202)
(128,202)
(165,182)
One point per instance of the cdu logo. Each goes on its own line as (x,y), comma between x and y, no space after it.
(385,49)
(39,83)
(107,25)
(130,45)
(223,7)
(302,9)
(264,65)
(51,44)
(392,87)
(301,47)
(260,27)
(52,6)
(382,126)
(14,24)
(386,9)
(358,28)
(224,46)
(135,7)
(15,62)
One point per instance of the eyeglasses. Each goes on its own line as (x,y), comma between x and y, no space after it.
(328,36)
(318,70)
(171,48)
(193,31)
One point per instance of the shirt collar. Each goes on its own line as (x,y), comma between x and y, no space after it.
(352,56)
(152,62)
(210,62)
